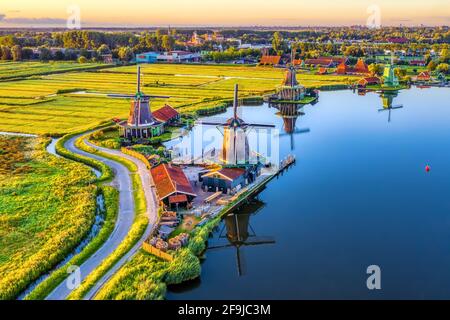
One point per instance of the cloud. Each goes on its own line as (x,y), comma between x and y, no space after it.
(31,21)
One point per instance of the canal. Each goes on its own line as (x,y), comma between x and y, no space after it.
(358,195)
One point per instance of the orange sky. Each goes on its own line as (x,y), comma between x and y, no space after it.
(220,12)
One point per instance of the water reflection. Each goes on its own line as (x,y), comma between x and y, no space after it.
(388,103)
(290,113)
(239,233)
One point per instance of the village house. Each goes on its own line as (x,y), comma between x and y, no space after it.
(359,68)
(172,186)
(167,115)
(224,180)
(424,76)
(369,81)
(270,60)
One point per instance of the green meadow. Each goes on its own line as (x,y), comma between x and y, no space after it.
(57,98)
(47,205)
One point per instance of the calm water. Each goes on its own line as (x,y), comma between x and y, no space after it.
(358,195)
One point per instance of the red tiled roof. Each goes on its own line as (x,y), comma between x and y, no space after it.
(297,62)
(272,60)
(178,198)
(335,59)
(169,180)
(321,62)
(361,66)
(165,114)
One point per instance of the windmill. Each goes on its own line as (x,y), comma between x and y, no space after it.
(388,99)
(140,120)
(235,147)
(240,234)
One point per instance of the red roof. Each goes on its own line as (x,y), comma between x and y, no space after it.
(169,180)
(297,62)
(178,198)
(424,75)
(337,60)
(325,62)
(369,80)
(165,114)
(232,173)
(272,60)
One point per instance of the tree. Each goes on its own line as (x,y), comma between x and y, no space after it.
(442,67)
(103,49)
(27,53)
(399,72)
(82,59)
(167,42)
(125,53)
(45,54)
(5,53)
(16,52)
(432,66)
(375,69)
(277,42)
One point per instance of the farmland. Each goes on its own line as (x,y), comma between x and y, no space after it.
(46,207)
(35,104)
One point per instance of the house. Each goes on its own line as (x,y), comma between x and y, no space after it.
(225,179)
(424,76)
(270,60)
(359,68)
(322,71)
(323,62)
(172,185)
(417,63)
(368,81)
(336,60)
(147,57)
(179,56)
(166,115)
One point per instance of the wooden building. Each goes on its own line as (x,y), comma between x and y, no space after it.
(167,115)
(225,179)
(270,60)
(172,185)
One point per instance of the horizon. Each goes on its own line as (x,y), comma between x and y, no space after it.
(232,13)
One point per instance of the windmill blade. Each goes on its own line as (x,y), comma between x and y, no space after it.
(260,125)
(209,123)
(156,97)
(241,262)
(297,131)
(259,240)
(128,96)
(390,108)
(219,247)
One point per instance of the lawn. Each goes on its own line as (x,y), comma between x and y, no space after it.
(46,207)
(32,105)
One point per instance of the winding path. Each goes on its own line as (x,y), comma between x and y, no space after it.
(125,217)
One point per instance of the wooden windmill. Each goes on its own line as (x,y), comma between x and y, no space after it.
(235,147)
(140,123)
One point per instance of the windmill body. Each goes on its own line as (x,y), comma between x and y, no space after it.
(140,123)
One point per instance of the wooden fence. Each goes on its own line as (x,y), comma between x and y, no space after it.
(152,250)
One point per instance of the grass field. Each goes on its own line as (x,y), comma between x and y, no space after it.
(46,207)
(32,104)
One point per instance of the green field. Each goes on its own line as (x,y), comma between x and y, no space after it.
(46,208)
(32,105)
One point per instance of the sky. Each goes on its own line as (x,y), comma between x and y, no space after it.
(147,13)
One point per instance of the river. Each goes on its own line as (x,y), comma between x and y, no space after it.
(359,195)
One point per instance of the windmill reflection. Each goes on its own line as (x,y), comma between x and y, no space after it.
(290,113)
(388,100)
(240,234)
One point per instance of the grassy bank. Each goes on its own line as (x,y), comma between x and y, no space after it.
(47,206)
(139,225)
(111,196)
